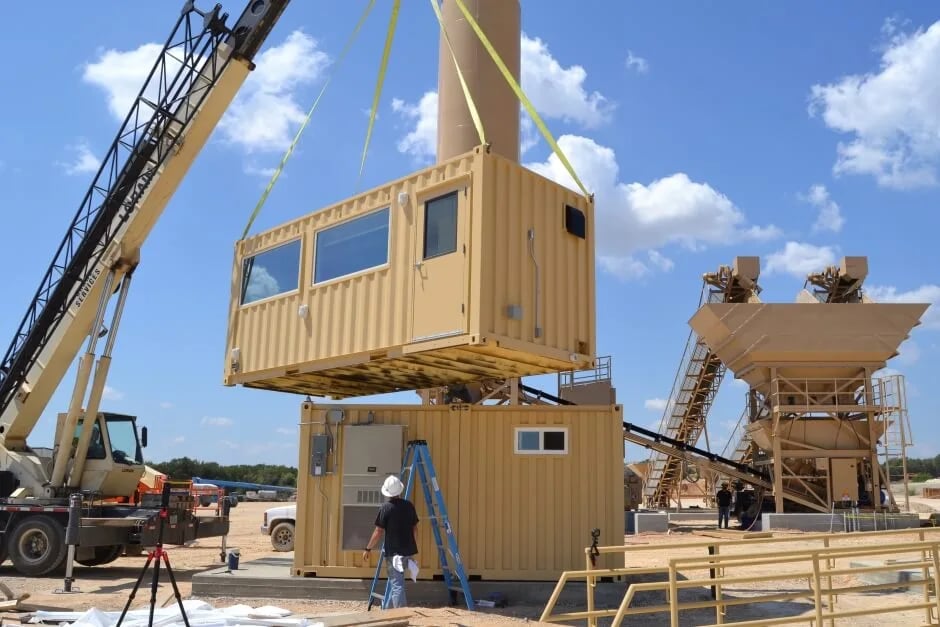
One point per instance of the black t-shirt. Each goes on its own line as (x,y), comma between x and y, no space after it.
(398,518)
(724,498)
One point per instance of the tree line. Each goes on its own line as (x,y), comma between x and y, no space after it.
(185,468)
(920,469)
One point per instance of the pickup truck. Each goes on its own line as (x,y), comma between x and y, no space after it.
(279,523)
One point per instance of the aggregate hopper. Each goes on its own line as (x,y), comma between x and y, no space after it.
(815,411)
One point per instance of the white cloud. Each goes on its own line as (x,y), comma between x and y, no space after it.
(637,63)
(655,404)
(800,259)
(166,405)
(217,421)
(122,74)
(111,394)
(890,112)
(637,217)
(830,216)
(261,284)
(421,141)
(83,162)
(287,430)
(264,115)
(556,92)
(923,294)
(179,439)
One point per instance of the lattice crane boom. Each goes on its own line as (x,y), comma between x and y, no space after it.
(199,71)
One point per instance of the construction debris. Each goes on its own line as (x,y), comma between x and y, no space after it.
(200,612)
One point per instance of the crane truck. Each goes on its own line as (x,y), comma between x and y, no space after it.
(97,454)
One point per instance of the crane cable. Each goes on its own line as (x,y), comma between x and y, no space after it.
(293,144)
(383,67)
(521,95)
(380,80)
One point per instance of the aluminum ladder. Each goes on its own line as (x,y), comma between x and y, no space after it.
(418,457)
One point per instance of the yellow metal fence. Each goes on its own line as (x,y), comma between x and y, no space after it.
(819,566)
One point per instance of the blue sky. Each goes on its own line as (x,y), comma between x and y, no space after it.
(706,131)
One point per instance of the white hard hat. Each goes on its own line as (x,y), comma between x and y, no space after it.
(392,486)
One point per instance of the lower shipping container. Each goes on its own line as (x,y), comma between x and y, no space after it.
(524,485)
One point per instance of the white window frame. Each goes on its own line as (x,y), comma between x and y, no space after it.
(300,266)
(541,431)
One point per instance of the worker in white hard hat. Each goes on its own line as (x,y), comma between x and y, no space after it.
(398,521)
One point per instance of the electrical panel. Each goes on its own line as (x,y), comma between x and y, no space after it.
(370,454)
(319,450)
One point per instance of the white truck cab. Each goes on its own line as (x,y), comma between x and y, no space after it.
(279,523)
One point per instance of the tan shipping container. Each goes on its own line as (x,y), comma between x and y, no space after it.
(523,485)
(472,268)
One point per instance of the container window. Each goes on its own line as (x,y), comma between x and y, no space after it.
(575,222)
(351,247)
(541,440)
(270,273)
(440,226)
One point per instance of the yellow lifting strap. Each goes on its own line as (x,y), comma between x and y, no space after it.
(293,144)
(521,95)
(477,122)
(383,66)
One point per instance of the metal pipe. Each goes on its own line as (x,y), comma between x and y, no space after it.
(495,100)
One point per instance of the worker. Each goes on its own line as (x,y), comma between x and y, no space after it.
(723,497)
(398,521)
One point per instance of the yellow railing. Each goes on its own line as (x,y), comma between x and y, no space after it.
(817,566)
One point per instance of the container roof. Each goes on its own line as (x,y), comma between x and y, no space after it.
(848,336)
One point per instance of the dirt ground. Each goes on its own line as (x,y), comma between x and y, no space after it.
(108,587)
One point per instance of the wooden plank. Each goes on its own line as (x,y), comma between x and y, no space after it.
(377,618)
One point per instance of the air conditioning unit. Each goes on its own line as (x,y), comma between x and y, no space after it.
(370,454)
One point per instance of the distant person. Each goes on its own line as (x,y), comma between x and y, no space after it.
(398,521)
(724,504)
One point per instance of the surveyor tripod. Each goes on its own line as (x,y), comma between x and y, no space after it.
(157,555)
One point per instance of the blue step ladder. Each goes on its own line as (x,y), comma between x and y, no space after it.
(417,457)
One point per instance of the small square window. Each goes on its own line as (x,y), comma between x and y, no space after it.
(440,226)
(575,222)
(541,440)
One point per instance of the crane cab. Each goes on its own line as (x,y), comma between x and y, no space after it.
(114,462)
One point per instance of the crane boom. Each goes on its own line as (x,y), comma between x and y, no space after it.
(200,69)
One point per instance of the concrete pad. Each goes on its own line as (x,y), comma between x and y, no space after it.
(271,577)
(885,577)
(645,522)
(837,522)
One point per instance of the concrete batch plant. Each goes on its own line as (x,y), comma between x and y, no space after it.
(459,279)
(472,269)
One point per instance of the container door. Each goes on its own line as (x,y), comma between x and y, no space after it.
(440,266)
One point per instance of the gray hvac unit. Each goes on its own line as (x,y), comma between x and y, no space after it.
(370,454)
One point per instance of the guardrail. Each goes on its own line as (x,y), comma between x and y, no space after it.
(817,566)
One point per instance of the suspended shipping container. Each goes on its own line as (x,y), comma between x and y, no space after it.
(472,268)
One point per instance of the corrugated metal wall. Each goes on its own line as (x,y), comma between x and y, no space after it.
(514,200)
(371,312)
(515,516)
(367,312)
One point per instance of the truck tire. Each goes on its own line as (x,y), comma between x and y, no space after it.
(103,555)
(3,550)
(37,545)
(282,536)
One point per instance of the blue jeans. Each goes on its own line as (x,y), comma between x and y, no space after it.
(396,584)
(724,513)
